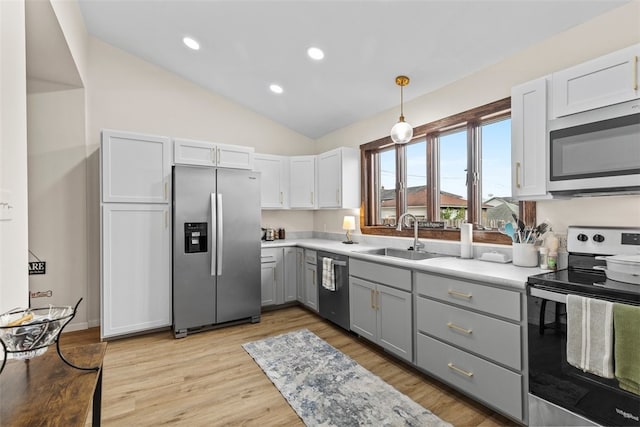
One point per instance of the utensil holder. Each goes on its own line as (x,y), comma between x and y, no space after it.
(525,255)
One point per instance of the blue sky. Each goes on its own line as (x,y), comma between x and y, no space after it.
(496,162)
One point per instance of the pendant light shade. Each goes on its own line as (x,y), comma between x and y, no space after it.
(401,132)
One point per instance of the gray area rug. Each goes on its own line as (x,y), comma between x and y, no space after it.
(327,388)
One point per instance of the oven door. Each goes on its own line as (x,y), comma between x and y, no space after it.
(552,379)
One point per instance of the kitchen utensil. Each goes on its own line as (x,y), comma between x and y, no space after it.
(519,222)
(619,276)
(509,231)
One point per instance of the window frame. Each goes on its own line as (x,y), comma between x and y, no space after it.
(470,119)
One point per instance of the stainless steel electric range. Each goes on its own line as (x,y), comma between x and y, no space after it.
(560,394)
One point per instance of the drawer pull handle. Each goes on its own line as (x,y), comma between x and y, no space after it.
(459,328)
(458,370)
(459,294)
(517,174)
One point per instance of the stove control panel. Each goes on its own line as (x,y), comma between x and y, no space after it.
(603,240)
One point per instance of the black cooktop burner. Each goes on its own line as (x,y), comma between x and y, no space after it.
(592,284)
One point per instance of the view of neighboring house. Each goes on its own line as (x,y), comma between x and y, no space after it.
(453,208)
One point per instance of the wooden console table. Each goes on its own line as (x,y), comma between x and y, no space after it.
(47,392)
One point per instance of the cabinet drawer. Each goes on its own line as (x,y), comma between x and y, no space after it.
(310,256)
(495,339)
(269,255)
(495,301)
(490,383)
(379,273)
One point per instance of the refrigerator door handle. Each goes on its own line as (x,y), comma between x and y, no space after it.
(219,230)
(213,236)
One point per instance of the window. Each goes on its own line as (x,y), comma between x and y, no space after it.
(455,170)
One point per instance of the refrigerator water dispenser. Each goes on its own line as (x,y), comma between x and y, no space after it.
(195,237)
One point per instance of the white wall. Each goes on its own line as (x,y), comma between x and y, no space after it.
(75,33)
(127,93)
(13,156)
(57,197)
(609,32)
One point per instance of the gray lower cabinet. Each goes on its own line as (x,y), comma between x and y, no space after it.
(290,291)
(279,278)
(380,312)
(271,278)
(310,280)
(470,335)
(300,285)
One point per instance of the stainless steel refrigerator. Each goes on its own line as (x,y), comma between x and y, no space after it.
(216,247)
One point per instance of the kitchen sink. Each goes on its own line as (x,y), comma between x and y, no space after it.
(401,253)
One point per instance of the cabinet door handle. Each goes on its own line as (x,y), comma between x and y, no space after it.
(281,198)
(459,294)
(212,154)
(166,191)
(338,196)
(311,199)
(219,158)
(373,306)
(459,328)
(517,174)
(458,370)
(377,300)
(635,73)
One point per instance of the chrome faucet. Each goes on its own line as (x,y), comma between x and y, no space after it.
(417,245)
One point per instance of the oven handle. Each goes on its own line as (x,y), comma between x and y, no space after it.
(551,296)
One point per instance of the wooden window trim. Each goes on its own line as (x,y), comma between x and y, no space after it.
(496,109)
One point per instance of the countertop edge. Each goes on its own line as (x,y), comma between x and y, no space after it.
(505,275)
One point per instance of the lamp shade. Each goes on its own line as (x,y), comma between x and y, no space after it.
(349,222)
(401,132)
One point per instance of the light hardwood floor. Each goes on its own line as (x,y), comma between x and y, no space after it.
(207,379)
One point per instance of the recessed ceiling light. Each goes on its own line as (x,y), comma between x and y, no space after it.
(276,88)
(315,53)
(191,43)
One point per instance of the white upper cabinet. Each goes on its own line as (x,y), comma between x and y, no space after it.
(603,81)
(274,180)
(529,140)
(302,180)
(339,178)
(204,153)
(135,168)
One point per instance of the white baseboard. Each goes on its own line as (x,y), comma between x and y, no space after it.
(94,323)
(75,327)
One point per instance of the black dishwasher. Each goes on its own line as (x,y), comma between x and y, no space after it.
(333,300)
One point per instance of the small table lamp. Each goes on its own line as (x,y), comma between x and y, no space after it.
(349,224)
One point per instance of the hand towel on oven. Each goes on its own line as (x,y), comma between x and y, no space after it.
(328,274)
(626,349)
(590,335)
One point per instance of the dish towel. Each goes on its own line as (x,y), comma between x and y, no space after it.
(328,275)
(590,335)
(626,327)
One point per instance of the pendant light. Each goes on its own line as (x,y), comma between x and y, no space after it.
(401,132)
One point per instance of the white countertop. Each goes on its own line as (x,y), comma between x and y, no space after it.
(507,275)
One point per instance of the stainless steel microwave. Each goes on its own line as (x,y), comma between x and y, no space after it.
(596,152)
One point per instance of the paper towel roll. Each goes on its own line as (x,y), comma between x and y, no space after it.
(466,240)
